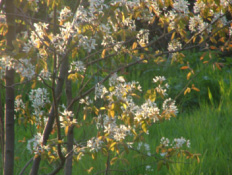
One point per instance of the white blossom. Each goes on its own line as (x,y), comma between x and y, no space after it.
(94,144)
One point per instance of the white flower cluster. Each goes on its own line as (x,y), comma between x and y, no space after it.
(155,5)
(145,147)
(19,104)
(169,107)
(97,5)
(65,14)
(130,24)
(86,101)
(77,66)
(107,41)
(100,91)
(177,143)
(123,91)
(88,43)
(118,133)
(45,75)
(147,110)
(39,98)
(21,66)
(174,45)
(161,89)
(143,36)
(25,68)
(181,6)
(66,119)
(94,144)
(6,62)
(35,145)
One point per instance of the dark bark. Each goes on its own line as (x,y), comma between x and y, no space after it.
(9,107)
(1,130)
(70,136)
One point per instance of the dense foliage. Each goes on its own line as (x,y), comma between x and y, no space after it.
(69,60)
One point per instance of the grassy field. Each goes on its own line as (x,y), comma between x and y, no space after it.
(204,119)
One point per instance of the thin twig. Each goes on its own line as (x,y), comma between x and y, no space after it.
(24,168)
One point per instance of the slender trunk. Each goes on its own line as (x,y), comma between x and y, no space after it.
(48,128)
(9,81)
(1,130)
(70,136)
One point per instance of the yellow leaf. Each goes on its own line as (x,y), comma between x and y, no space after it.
(134,46)
(188,90)
(124,105)
(184,67)
(60,141)
(144,127)
(89,170)
(66,130)
(113,160)
(205,62)
(79,156)
(112,146)
(33,85)
(18,96)
(103,53)
(173,35)
(188,75)
(135,95)
(84,117)
(111,113)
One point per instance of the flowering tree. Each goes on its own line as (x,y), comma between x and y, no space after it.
(86,47)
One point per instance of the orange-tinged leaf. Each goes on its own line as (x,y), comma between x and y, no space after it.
(222,39)
(184,67)
(202,56)
(205,62)
(213,47)
(194,88)
(218,66)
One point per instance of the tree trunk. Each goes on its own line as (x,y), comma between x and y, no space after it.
(1,130)
(9,81)
(70,136)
